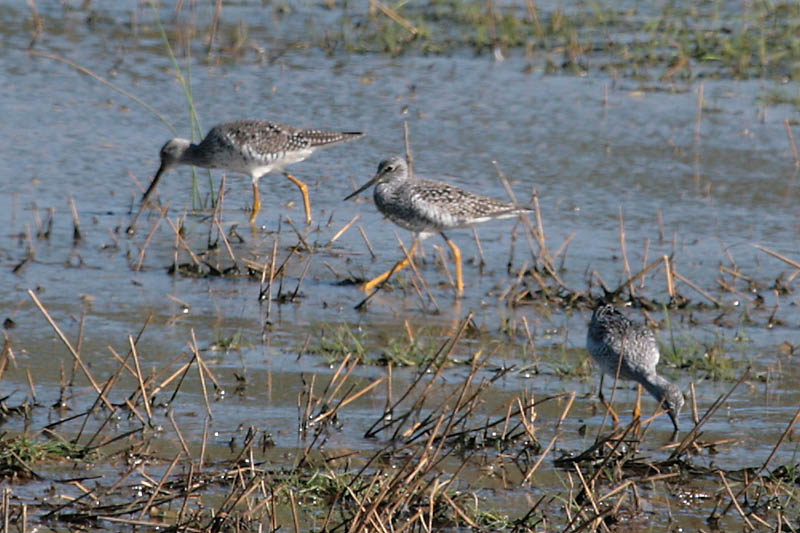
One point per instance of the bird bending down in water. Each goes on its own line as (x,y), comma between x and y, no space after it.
(629,351)
(252,147)
(425,207)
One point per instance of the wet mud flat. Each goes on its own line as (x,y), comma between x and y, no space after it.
(201,374)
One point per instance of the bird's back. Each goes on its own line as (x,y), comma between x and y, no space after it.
(422,205)
(261,146)
(611,335)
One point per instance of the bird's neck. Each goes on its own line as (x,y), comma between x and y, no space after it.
(384,191)
(656,386)
(192,155)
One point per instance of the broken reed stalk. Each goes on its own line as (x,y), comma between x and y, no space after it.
(460,401)
(537,234)
(334,380)
(300,237)
(156,491)
(670,281)
(789,134)
(37,220)
(200,372)
(107,388)
(303,275)
(441,355)
(69,347)
(348,399)
(343,230)
(31,386)
(225,241)
(515,283)
(79,344)
(699,113)
(443,258)
(634,278)
(212,32)
(590,496)
(38,27)
(539,461)
(179,433)
(149,238)
(76,223)
(482,264)
(140,378)
(271,278)
(781,440)
(407,141)
(366,241)
(788,261)
(734,501)
(531,342)
(645,257)
(87,415)
(395,16)
(195,259)
(689,438)
(696,287)
(563,248)
(624,249)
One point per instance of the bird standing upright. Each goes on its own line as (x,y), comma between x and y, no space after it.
(426,207)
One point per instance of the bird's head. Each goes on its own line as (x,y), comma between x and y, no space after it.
(388,169)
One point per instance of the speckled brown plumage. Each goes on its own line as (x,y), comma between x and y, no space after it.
(614,342)
(259,145)
(252,147)
(429,206)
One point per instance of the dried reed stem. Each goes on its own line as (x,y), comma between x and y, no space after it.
(789,134)
(395,16)
(626,265)
(670,281)
(366,241)
(343,230)
(71,350)
(76,223)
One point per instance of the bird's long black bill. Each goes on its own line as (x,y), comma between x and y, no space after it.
(152,187)
(364,187)
(146,196)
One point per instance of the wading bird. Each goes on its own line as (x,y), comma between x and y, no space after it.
(629,351)
(252,147)
(426,207)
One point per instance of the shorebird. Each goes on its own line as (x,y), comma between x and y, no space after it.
(252,147)
(426,207)
(629,351)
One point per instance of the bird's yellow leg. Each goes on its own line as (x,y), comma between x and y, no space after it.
(304,191)
(459,270)
(371,284)
(256,203)
(637,410)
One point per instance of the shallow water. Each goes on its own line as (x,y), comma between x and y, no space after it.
(593,147)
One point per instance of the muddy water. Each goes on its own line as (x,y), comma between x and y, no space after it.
(593,147)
